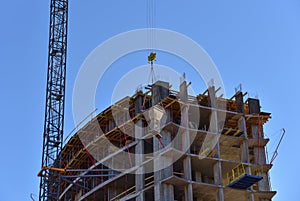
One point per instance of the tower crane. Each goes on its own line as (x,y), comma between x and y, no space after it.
(55,101)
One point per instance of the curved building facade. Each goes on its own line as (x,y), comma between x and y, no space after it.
(161,144)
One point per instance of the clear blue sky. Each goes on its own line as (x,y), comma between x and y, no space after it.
(256,43)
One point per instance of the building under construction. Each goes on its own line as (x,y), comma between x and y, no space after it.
(161,144)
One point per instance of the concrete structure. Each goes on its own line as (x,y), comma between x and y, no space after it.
(198,148)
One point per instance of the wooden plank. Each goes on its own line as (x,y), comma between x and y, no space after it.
(228,131)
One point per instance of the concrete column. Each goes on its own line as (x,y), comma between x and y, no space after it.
(111,193)
(111,124)
(163,169)
(187,163)
(260,158)
(218,181)
(220,195)
(242,125)
(138,103)
(264,184)
(140,197)
(239,102)
(139,159)
(254,130)
(252,197)
(198,176)
(188,192)
(214,128)
(166,161)
(254,106)
(160,90)
(187,171)
(158,189)
(259,151)
(244,146)
(183,90)
(168,192)
(217,175)
(77,196)
(139,150)
(245,156)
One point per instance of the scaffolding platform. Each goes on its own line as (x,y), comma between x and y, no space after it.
(245,181)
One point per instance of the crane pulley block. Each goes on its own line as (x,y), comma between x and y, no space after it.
(152,57)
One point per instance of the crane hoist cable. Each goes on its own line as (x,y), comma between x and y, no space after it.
(151,36)
(151,23)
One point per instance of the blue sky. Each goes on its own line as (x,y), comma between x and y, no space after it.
(256,43)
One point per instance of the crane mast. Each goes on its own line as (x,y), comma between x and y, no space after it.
(55,100)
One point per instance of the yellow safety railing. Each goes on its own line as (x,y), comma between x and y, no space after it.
(234,174)
(258,170)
